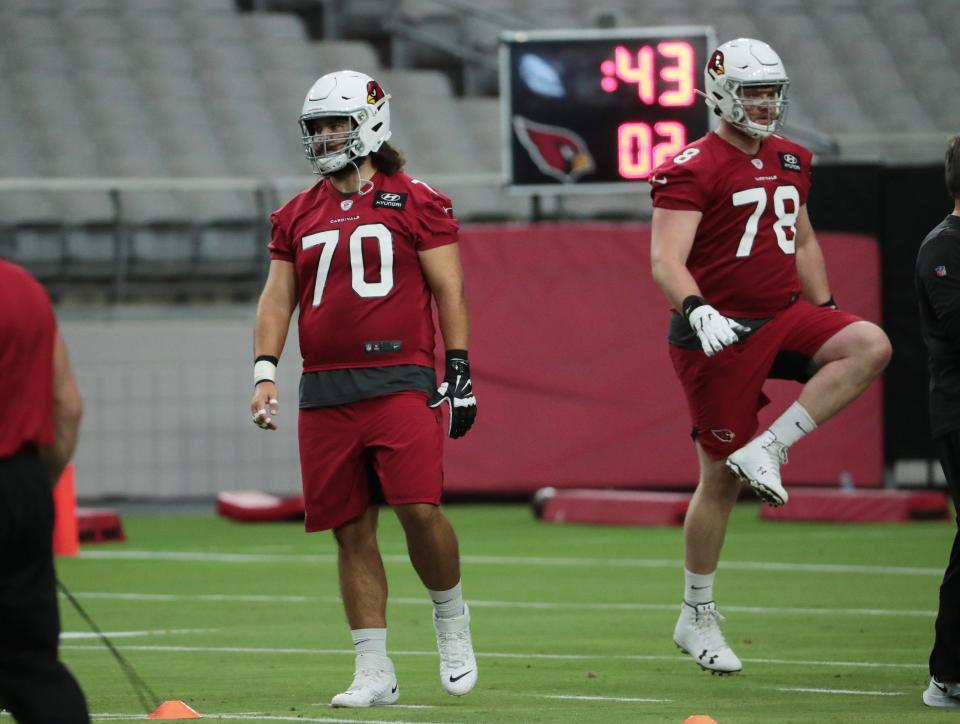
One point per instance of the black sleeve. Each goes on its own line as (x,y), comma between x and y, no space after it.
(938,269)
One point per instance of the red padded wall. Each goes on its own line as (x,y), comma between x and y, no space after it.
(571,371)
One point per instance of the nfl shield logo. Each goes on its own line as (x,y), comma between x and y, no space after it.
(940,271)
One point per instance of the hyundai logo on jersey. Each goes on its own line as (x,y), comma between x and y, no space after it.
(789,161)
(390,200)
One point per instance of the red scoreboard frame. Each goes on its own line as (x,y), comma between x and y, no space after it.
(594,110)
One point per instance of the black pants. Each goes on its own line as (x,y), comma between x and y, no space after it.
(945,657)
(34,686)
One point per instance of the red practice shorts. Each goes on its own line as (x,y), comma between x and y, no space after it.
(352,454)
(725,392)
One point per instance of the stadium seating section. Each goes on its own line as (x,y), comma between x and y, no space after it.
(197,100)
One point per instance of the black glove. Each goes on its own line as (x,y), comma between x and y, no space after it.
(457,391)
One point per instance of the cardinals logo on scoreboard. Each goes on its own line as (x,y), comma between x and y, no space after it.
(558,152)
(374,93)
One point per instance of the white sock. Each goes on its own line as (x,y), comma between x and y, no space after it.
(792,425)
(369,641)
(447,604)
(697,587)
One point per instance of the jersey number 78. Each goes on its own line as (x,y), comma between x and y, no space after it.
(784,228)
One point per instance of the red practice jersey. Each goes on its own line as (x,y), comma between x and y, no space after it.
(27,333)
(743,256)
(363,298)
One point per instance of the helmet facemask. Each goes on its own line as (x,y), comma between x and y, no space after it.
(330,152)
(761,114)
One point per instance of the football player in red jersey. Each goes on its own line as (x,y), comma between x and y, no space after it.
(363,253)
(735,254)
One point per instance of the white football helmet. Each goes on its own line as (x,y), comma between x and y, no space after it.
(345,93)
(739,64)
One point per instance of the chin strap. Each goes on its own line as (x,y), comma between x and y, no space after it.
(364,186)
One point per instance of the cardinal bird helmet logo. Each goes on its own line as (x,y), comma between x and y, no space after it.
(558,152)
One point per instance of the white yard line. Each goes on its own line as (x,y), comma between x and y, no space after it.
(256,716)
(260,650)
(842,691)
(73,635)
(536,605)
(563,562)
(392,706)
(628,699)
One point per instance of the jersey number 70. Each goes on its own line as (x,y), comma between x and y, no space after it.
(361,286)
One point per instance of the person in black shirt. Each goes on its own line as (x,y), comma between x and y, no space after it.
(937,281)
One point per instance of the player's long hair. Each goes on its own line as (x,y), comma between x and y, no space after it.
(388,160)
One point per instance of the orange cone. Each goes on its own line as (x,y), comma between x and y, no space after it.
(66,538)
(699,719)
(174,710)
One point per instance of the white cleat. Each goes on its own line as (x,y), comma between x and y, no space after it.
(942,695)
(698,634)
(458,665)
(758,464)
(374,684)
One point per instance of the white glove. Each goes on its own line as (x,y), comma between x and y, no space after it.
(714,330)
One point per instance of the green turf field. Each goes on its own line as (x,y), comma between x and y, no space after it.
(570,623)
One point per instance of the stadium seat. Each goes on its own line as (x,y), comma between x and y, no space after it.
(148,8)
(32,27)
(166,28)
(91,29)
(101,57)
(422,16)
(22,53)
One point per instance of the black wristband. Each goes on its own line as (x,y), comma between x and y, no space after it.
(457,354)
(830,303)
(691,303)
(267,358)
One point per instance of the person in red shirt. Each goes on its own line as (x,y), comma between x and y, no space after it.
(42,409)
(364,253)
(735,254)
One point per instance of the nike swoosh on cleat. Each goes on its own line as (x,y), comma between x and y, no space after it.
(361,641)
(699,588)
(454,679)
(394,689)
(440,603)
